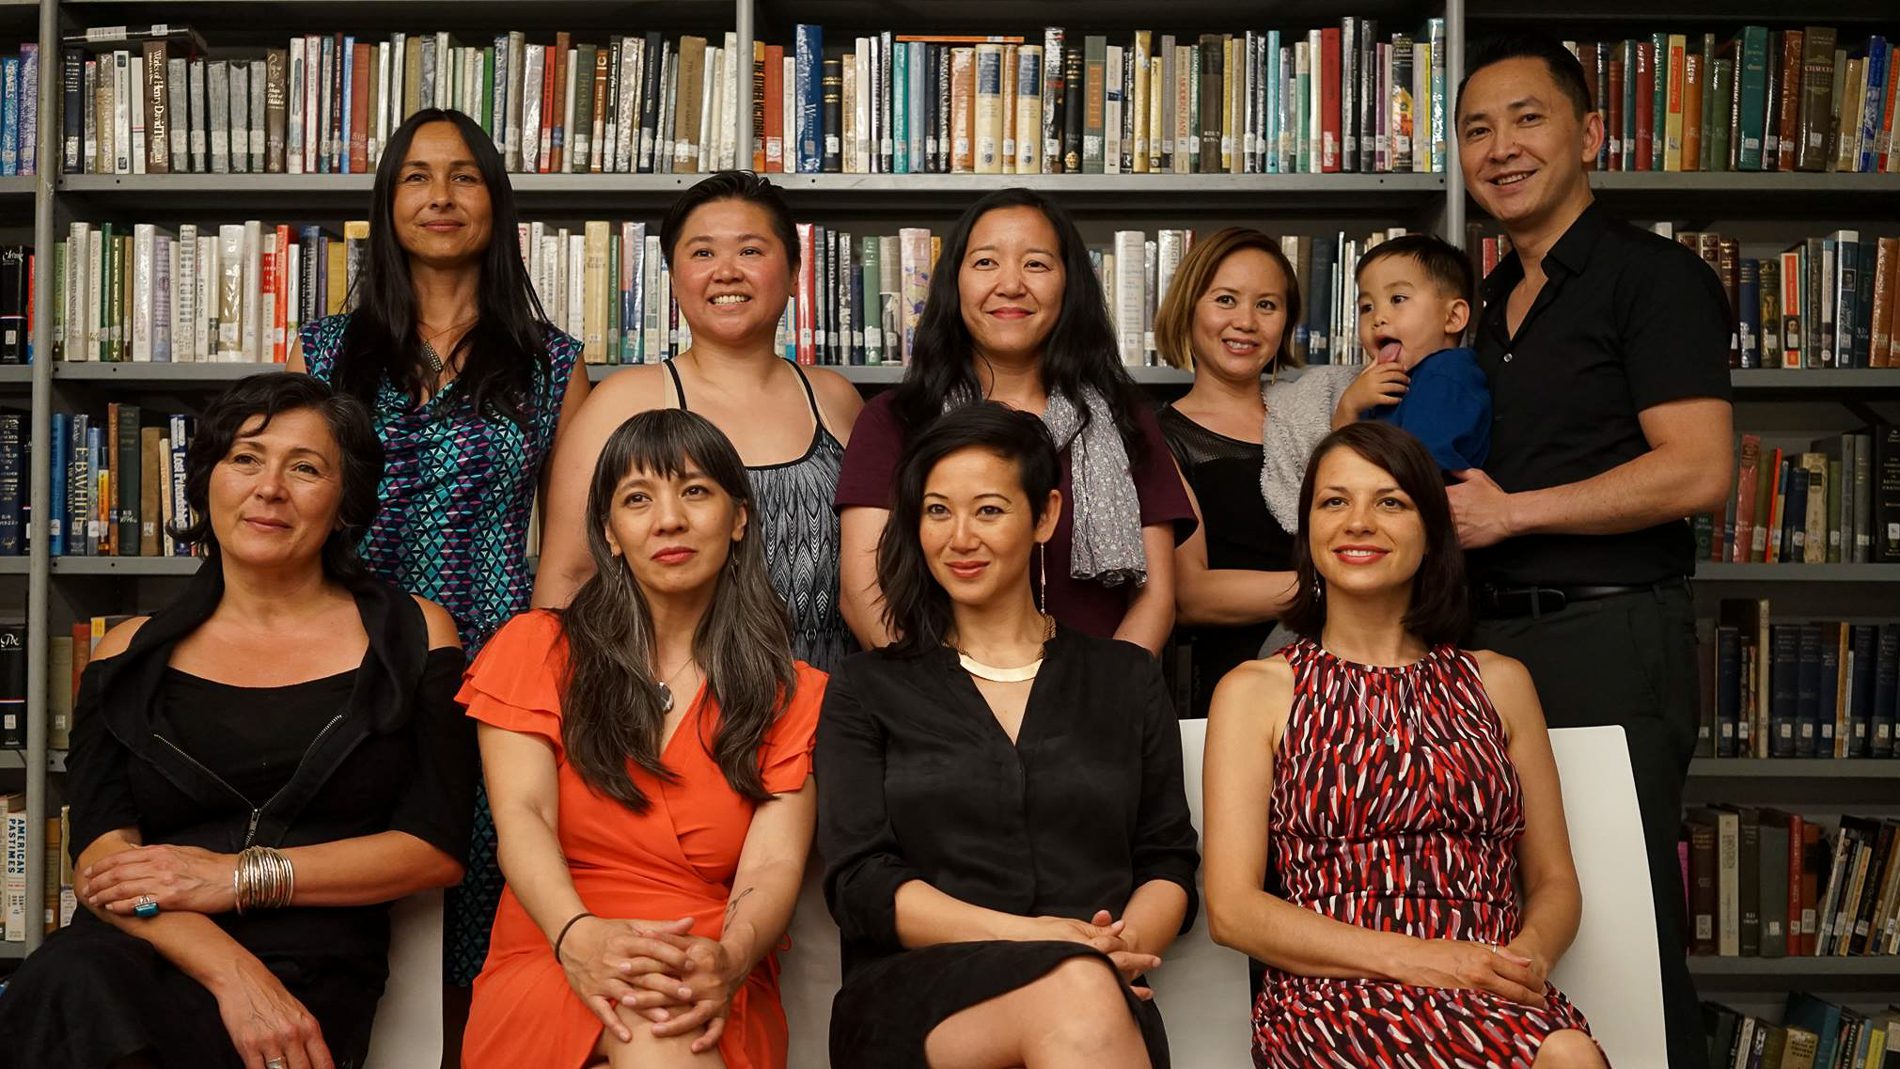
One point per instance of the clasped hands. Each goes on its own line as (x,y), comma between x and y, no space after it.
(1516,971)
(657,969)
(1112,937)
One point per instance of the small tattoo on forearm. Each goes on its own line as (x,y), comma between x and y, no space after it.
(733,906)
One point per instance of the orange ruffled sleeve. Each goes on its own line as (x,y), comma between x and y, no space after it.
(515,682)
(785,757)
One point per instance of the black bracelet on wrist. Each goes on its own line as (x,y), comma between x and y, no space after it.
(564,929)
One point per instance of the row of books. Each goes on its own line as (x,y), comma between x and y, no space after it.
(1835,502)
(1761,100)
(117,484)
(1826,301)
(1801,688)
(1332,99)
(235,292)
(1771,884)
(1813,1034)
(15,913)
(328,103)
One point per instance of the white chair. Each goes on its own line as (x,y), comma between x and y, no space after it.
(1611,971)
(408,1029)
(1202,986)
(809,973)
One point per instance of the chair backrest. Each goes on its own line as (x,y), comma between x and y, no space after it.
(1202,987)
(408,1029)
(1611,971)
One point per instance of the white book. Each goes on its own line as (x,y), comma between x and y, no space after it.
(293,109)
(122,102)
(442,48)
(862,146)
(553,259)
(627,107)
(1112,105)
(95,295)
(1130,295)
(230,291)
(206,326)
(78,294)
(144,237)
(711,137)
(252,337)
(395,85)
(570,77)
(663,147)
(185,295)
(652,299)
(532,255)
(738,83)
(1170,246)
(379,107)
(1149,263)
(788,121)
(574,283)
(531,151)
(326,103)
(177,90)
(633,239)
(13,884)
(137,108)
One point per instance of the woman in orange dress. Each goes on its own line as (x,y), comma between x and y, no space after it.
(648,757)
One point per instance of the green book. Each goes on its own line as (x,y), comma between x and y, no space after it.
(580,139)
(613,298)
(60,255)
(1722,90)
(1752,51)
(900,110)
(1659,100)
(488,90)
(1630,51)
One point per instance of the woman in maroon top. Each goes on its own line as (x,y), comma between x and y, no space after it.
(1015,315)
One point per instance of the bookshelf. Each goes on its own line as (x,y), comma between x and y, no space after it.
(1767,207)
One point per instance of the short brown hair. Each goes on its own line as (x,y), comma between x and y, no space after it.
(1174,319)
(1442,262)
(1440,605)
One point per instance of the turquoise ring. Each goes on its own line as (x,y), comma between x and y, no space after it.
(147,907)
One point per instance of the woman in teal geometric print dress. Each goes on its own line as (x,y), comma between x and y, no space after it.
(469,385)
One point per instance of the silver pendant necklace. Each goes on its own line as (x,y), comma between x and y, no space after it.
(665,688)
(434,358)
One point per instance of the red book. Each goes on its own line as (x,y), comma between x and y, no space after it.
(280,318)
(359,109)
(1747,474)
(1645,103)
(1813,856)
(775,109)
(1788,108)
(806,316)
(1329,99)
(1796,847)
(545,156)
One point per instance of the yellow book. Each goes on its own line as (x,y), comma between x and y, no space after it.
(989,109)
(1142,55)
(1672,117)
(594,293)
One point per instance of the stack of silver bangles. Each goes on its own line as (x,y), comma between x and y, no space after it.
(263,879)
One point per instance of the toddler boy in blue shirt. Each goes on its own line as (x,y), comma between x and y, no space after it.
(1415,300)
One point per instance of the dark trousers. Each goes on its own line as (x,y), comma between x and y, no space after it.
(1630,660)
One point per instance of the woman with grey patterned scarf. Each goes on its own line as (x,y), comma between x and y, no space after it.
(1015,314)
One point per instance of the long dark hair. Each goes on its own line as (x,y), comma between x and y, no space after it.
(610,702)
(502,354)
(1081,350)
(1440,605)
(916,606)
(359,452)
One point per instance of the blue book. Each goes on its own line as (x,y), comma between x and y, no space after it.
(1874,105)
(1873,736)
(56,479)
(10,116)
(1271,140)
(1748,315)
(346,59)
(1784,670)
(900,109)
(809,67)
(1320,291)
(1807,698)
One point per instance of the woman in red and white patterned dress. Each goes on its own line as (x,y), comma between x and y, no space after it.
(1396,795)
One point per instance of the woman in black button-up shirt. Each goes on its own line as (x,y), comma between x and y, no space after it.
(1009,847)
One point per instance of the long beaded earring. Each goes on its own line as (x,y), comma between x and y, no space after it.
(1042,566)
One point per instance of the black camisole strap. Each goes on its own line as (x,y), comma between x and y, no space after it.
(810,397)
(679,387)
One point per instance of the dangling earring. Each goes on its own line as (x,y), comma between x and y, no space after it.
(1319,592)
(1042,566)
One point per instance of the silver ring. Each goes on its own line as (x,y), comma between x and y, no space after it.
(275,1063)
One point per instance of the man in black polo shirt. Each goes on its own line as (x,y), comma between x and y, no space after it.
(1606,347)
